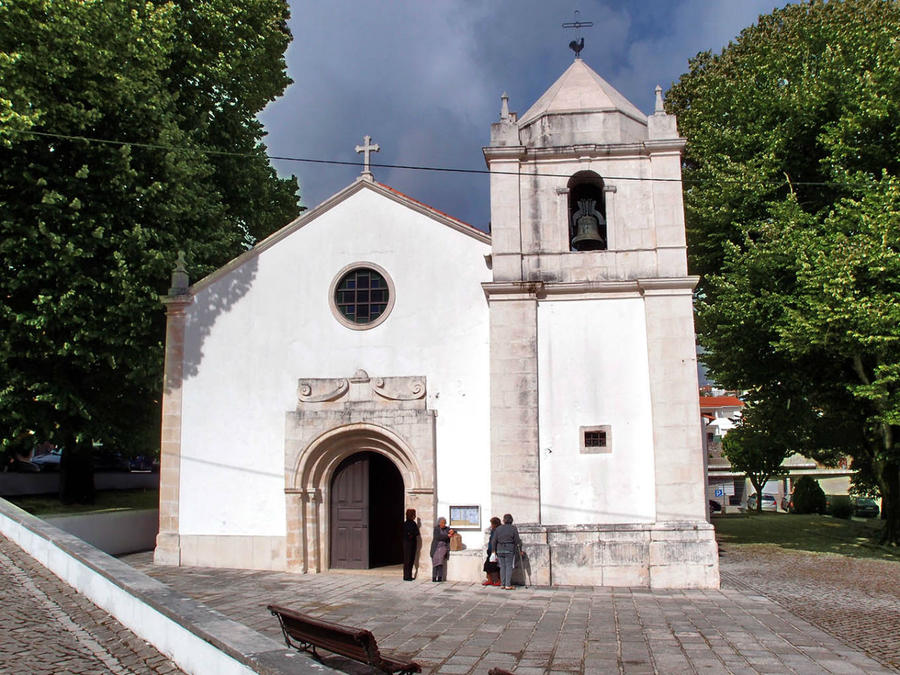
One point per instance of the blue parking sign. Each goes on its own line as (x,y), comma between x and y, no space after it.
(720,492)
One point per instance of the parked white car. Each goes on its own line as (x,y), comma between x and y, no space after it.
(768,503)
(49,461)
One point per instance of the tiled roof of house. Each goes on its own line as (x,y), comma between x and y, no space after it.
(720,402)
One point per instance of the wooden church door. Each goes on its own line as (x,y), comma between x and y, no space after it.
(350,515)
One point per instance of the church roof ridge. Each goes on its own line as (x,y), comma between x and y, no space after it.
(435,211)
(580,88)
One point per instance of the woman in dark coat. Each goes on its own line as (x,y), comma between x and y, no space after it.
(505,541)
(492,569)
(440,549)
(410,541)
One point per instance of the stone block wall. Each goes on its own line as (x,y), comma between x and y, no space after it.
(672,555)
(515,479)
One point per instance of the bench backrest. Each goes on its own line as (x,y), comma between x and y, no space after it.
(355,643)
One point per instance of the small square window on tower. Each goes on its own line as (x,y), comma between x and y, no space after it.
(595,440)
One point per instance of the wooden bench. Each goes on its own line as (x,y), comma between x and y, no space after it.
(306,633)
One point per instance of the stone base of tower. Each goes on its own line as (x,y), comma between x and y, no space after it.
(651,555)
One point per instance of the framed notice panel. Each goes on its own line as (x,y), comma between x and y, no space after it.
(465,517)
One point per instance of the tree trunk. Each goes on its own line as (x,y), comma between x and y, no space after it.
(76,472)
(887,473)
(757,485)
(889,484)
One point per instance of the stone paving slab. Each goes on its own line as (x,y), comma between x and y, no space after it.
(46,627)
(457,627)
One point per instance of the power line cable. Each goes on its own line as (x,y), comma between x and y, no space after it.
(406,167)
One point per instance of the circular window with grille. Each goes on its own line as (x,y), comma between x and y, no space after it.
(362,296)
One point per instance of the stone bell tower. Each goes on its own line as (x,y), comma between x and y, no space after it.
(596,443)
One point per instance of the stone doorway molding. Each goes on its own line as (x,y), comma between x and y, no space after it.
(337,418)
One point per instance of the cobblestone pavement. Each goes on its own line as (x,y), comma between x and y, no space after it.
(47,627)
(464,628)
(856,600)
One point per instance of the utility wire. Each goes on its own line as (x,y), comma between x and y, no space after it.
(407,167)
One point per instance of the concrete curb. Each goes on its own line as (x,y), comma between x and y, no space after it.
(197,638)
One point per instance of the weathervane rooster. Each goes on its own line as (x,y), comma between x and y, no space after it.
(576,46)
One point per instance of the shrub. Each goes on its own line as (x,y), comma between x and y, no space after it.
(808,496)
(840,506)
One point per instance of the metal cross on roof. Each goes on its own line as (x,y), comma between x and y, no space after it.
(366,148)
(578,44)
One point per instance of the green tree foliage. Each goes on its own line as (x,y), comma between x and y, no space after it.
(88,230)
(841,507)
(757,447)
(793,208)
(808,496)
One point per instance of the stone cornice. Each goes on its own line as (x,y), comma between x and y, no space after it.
(513,290)
(504,152)
(176,303)
(669,285)
(591,150)
(420,491)
(588,288)
(587,150)
(601,254)
(533,290)
(657,146)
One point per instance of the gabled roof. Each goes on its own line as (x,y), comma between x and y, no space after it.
(328,204)
(720,402)
(580,89)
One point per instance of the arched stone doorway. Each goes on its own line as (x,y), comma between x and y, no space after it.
(317,462)
(366,512)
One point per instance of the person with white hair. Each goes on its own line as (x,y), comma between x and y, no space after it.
(440,549)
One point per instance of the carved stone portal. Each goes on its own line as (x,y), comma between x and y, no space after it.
(339,417)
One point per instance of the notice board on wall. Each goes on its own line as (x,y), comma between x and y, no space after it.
(465,517)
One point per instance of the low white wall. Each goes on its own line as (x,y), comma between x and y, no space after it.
(198,639)
(47,482)
(114,532)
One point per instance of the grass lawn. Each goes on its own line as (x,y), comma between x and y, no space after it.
(813,533)
(107,500)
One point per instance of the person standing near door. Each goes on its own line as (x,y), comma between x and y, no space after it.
(440,549)
(410,543)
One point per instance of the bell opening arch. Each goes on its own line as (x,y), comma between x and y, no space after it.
(587,212)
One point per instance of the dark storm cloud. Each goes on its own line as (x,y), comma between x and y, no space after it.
(424,79)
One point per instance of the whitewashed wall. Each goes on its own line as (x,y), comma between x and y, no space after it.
(243,362)
(592,367)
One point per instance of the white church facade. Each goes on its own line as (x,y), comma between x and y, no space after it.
(376,355)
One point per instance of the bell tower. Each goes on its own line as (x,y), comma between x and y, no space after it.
(595,420)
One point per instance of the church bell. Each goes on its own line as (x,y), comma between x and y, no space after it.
(590,227)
